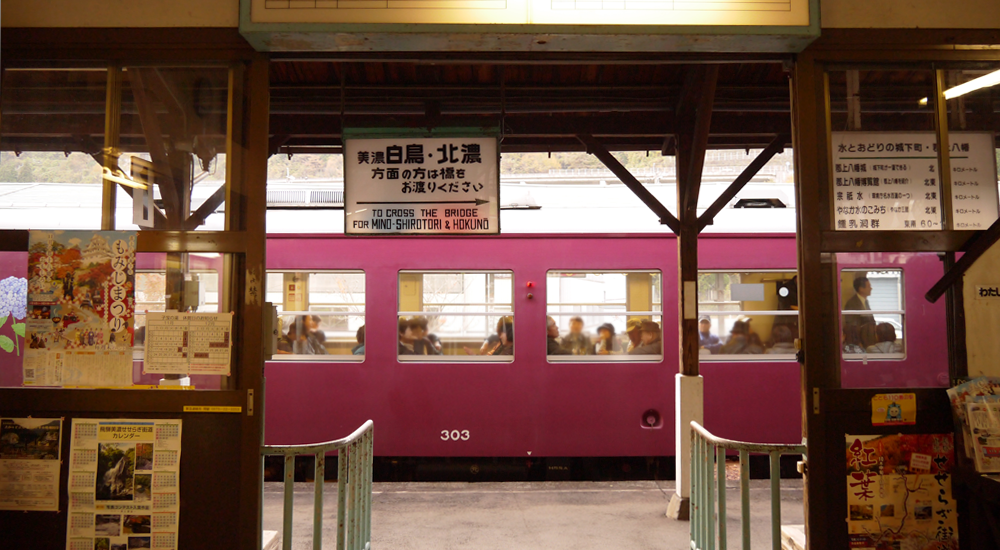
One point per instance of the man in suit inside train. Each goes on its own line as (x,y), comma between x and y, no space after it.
(865,323)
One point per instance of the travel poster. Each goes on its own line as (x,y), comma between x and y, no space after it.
(124,484)
(29,464)
(81,288)
(899,492)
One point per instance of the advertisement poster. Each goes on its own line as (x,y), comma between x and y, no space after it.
(124,483)
(899,492)
(81,287)
(984,432)
(422,186)
(188,343)
(898,409)
(29,464)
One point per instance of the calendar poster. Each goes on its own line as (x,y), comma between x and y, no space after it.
(81,288)
(899,492)
(29,464)
(188,343)
(124,484)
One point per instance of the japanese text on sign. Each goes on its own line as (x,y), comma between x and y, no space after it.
(421,185)
(890,181)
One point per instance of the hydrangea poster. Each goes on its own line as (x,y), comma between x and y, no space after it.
(80,308)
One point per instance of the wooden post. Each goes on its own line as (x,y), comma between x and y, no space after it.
(818,309)
(694,112)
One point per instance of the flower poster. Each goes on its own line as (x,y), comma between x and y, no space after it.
(29,464)
(124,484)
(899,492)
(81,287)
(13,299)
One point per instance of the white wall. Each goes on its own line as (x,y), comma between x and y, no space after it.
(982,316)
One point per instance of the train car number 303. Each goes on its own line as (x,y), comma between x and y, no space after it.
(454,435)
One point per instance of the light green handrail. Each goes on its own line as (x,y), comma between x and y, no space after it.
(354,488)
(708,481)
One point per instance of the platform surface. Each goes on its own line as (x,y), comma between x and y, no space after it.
(528,515)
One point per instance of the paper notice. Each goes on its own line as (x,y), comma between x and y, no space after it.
(29,463)
(117,481)
(188,343)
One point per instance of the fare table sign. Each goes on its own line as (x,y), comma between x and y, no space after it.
(891,181)
(422,186)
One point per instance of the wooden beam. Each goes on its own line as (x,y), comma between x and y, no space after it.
(897,241)
(275,142)
(694,121)
(595,148)
(157,147)
(206,209)
(774,148)
(977,248)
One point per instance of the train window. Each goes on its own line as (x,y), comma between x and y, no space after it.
(747,313)
(456,316)
(604,316)
(320,314)
(872,314)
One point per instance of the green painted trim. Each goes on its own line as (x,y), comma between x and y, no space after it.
(444,132)
(258,34)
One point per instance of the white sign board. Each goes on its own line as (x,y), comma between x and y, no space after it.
(890,180)
(420,186)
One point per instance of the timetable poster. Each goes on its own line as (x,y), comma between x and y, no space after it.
(188,343)
(81,287)
(899,492)
(29,464)
(889,181)
(124,484)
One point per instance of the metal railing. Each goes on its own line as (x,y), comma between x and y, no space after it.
(354,488)
(708,481)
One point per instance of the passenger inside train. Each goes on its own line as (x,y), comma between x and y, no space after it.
(650,343)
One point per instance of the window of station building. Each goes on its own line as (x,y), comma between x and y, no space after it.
(456,316)
(322,314)
(872,314)
(200,290)
(604,315)
(747,313)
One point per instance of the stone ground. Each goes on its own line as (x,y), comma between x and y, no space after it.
(531,515)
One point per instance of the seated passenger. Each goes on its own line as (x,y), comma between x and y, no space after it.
(552,332)
(885,336)
(360,348)
(505,330)
(650,343)
(413,337)
(633,335)
(606,344)
(707,340)
(849,339)
(489,343)
(742,340)
(576,342)
(781,340)
(436,343)
(303,337)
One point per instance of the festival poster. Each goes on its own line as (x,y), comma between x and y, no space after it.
(899,492)
(81,287)
(29,464)
(124,484)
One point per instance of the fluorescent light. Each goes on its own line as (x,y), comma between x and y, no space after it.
(985,81)
(118,176)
